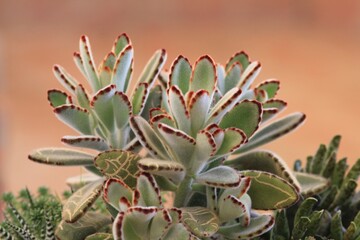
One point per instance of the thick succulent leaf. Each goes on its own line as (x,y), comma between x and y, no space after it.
(264,161)
(178,232)
(336,228)
(281,227)
(232,77)
(231,140)
(200,221)
(57,98)
(205,147)
(118,164)
(61,157)
(153,67)
(153,100)
(220,74)
(226,103)
(180,144)
(75,117)
(305,209)
(133,224)
(219,177)
(122,109)
(82,97)
(231,208)
(148,191)
(300,228)
(318,160)
(160,223)
(79,63)
(120,43)
(89,224)
(88,62)
(261,95)
(338,174)
(79,202)
(204,75)
(164,119)
(273,131)
(117,194)
(102,104)
(123,68)
(198,108)
(139,97)
(79,181)
(346,191)
(87,141)
(180,74)
(179,109)
(245,116)
(237,192)
(271,87)
(258,225)
(311,184)
(272,107)
(264,184)
(105,69)
(354,172)
(240,57)
(65,78)
(148,137)
(249,75)
(169,169)
(100,236)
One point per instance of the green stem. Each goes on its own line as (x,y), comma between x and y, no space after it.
(183,192)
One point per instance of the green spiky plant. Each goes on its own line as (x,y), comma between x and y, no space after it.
(188,131)
(332,209)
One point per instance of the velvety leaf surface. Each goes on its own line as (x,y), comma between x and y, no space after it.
(200,221)
(240,57)
(87,141)
(61,156)
(180,74)
(117,193)
(220,177)
(311,184)
(58,98)
(153,67)
(122,68)
(204,75)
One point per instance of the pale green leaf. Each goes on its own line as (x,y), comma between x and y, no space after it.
(65,79)
(86,141)
(248,76)
(200,221)
(102,105)
(204,75)
(219,177)
(139,97)
(231,140)
(271,87)
(311,184)
(123,68)
(122,109)
(105,69)
(149,192)
(180,74)
(120,43)
(232,77)
(117,194)
(240,57)
(153,67)
(178,109)
(88,63)
(199,108)
(57,98)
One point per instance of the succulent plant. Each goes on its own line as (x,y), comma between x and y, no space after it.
(329,210)
(188,131)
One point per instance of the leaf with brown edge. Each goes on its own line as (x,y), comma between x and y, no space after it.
(168,169)
(160,223)
(261,95)
(178,108)
(245,116)
(154,100)
(180,74)
(179,232)
(120,43)
(134,223)
(219,177)
(205,148)
(87,141)
(65,78)
(153,67)
(249,75)
(264,184)
(231,140)
(79,202)
(179,143)
(122,69)
(240,57)
(118,164)
(201,222)
(89,64)
(61,157)
(79,63)
(232,77)
(311,184)
(102,105)
(139,97)
(79,181)
(220,74)
(204,75)
(238,191)
(273,131)
(122,109)
(148,190)
(105,69)
(57,98)
(82,97)
(75,117)
(163,118)
(117,194)
(264,161)
(148,137)
(89,224)
(271,87)
(231,208)
(199,108)
(268,114)
(273,107)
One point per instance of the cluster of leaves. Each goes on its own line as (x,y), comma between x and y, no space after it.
(196,126)
(29,216)
(332,209)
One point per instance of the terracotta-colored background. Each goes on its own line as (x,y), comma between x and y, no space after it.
(313,47)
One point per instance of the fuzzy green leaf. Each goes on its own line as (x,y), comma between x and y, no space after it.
(88,63)
(117,194)
(180,74)
(204,75)
(102,105)
(311,184)
(139,97)
(271,87)
(123,69)
(61,157)
(65,78)
(249,75)
(120,43)
(336,229)
(149,193)
(232,77)
(198,109)
(178,109)
(200,221)
(240,57)
(219,177)
(153,67)
(92,142)
(58,98)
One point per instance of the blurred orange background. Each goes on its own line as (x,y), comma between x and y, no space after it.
(313,47)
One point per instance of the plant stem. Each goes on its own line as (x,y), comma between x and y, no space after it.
(183,191)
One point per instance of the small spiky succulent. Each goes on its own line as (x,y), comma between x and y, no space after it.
(330,210)
(189,131)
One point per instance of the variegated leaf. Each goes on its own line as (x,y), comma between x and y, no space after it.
(118,164)
(231,208)
(204,75)
(89,224)
(102,105)
(264,161)
(202,222)
(75,117)
(123,68)
(245,116)
(120,43)
(139,97)
(78,204)
(199,108)
(283,194)
(169,169)
(153,67)
(65,78)
(117,194)
(249,75)
(57,98)
(273,131)
(87,141)
(219,177)
(180,74)
(311,184)
(271,87)
(61,157)
(240,57)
